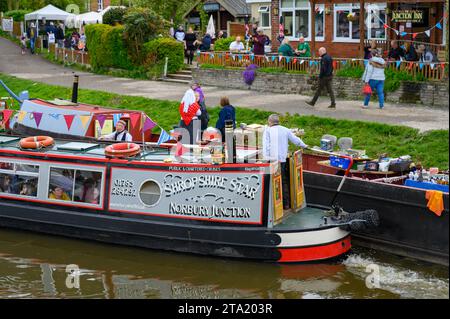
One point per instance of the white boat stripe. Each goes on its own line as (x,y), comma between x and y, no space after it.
(311,238)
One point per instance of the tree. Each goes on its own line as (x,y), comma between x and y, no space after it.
(169,9)
(141,25)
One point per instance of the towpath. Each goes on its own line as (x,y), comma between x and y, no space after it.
(38,69)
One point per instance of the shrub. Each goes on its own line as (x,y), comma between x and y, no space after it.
(115,15)
(141,26)
(17,15)
(106,47)
(158,49)
(223,44)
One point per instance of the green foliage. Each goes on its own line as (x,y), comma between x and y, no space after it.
(17,15)
(168,9)
(351,72)
(106,47)
(204,18)
(223,44)
(141,26)
(158,49)
(114,16)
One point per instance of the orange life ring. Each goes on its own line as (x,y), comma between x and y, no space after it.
(35,142)
(122,150)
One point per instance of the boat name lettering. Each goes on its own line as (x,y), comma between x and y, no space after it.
(179,185)
(210,212)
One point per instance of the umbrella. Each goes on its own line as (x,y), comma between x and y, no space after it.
(211,30)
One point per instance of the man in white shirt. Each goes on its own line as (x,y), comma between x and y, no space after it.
(121,134)
(276,147)
(237,45)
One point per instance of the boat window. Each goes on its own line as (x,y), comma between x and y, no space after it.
(75,185)
(87,187)
(150,193)
(19,179)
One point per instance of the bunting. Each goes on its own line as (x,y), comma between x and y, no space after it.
(149,124)
(69,120)
(21,116)
(6,115)
(163,137)
(101,120)
(37,117)
(134,117)
(84,120)
(116,118)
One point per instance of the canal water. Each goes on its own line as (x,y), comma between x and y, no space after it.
(34,266)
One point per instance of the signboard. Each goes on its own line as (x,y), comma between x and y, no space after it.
(7,24)
(51,38)
(209,7)
(184,192)
(415,16)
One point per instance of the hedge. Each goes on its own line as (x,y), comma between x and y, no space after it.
(114,15)
(223,44)
(158,49)
(106,47)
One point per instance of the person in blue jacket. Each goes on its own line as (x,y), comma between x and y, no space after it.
(226,113)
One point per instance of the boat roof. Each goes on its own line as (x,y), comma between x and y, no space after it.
(96,150)
(68,105)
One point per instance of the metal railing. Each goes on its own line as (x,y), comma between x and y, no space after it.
(430,71)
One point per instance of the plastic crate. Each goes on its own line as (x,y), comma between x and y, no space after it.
(340,162)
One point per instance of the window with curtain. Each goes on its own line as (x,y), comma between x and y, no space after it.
(297,19)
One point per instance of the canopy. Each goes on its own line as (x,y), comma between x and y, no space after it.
(85,18)
(49,13)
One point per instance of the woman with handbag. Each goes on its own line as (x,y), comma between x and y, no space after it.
(374,78)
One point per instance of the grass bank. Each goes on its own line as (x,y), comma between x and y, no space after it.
(430,148)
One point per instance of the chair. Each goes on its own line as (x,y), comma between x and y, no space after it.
(345,143)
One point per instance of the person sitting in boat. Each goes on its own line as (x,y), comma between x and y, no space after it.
(88,192)
(58,193)
(276,140)
(121,134)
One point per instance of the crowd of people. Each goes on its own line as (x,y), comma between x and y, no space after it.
(75,40)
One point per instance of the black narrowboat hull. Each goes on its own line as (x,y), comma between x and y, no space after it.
(407,227)
(232,242)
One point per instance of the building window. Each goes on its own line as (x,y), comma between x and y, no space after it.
(346,22)
(73,185)
(375,20)
(100,5)
(19,179)
(264,12)
(297,19)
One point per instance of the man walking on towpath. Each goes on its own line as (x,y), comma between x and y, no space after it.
(325,78)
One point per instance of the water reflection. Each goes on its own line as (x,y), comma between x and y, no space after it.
(34,266)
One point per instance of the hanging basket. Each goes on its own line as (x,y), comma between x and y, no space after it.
(352,17)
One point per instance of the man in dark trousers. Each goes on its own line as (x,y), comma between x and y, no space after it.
(325,78)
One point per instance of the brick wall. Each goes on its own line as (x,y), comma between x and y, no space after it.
(427,93)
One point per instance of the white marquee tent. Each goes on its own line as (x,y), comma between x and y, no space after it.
(85,18)
(49,13)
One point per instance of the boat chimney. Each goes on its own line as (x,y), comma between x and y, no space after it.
(230,142)
(75,89)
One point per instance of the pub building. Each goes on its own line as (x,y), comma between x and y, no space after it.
(344,27)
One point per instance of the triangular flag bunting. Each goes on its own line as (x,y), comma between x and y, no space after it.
(334,64)
(101,120)
(439,26)
(443,66)
(365,62)
(280,58)
(273,58)
(267,58)
(134,117)
(295,60)
(302,61)
(402,34)
(398,64)
(311,63)
(344,62)
(84,120)
(69,120)
(427,32)
(385,26)
(288,59)
(432,66)
(164,137)
(37,117)
(149,124)
(396,32)
(6,115)
(414,35)
(410,65)
(421,66)
(21,116)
